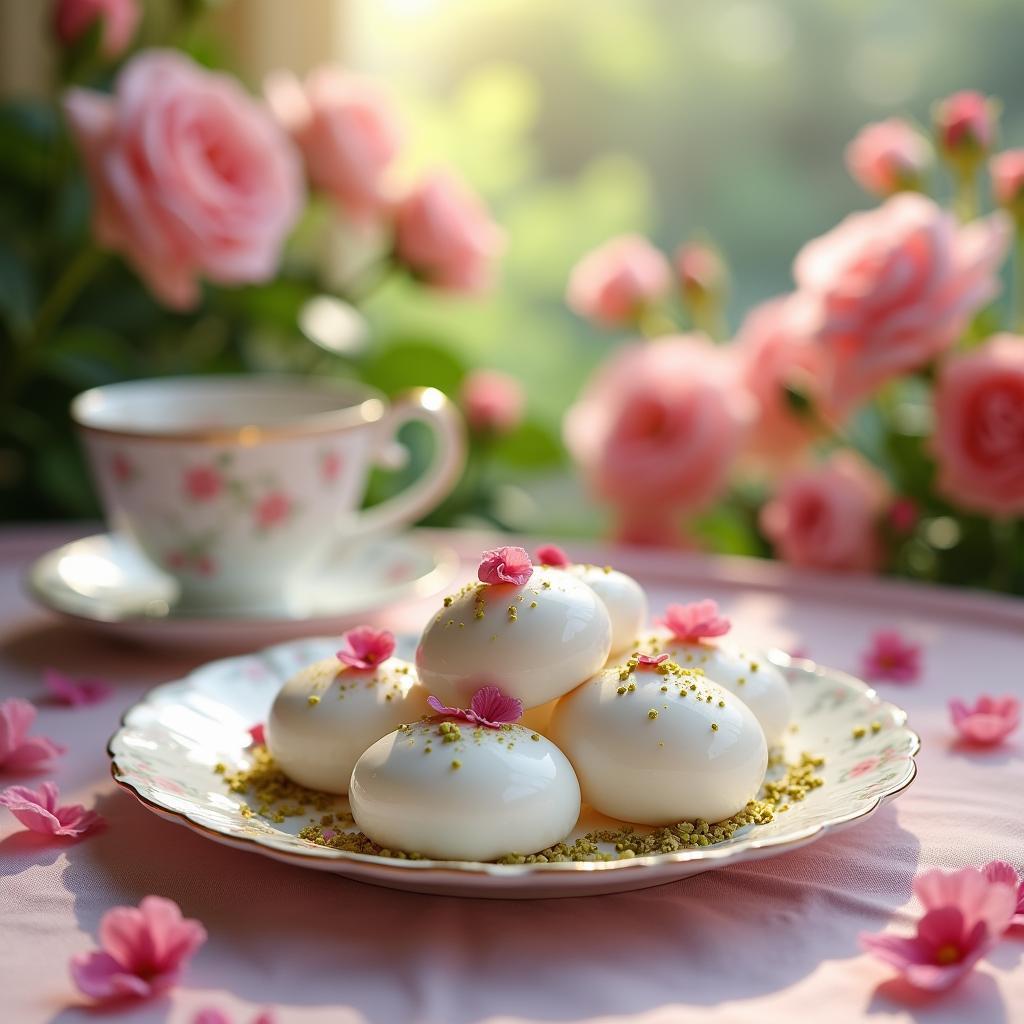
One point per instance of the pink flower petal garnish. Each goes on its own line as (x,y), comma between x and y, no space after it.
(646,661)
(41,812)
(489,707)
(75,693)
(144,950)
(365,647)
(989,722)
(505,565)
(258,732)
(552,555)
(692,622)
(1001,871)
(20,752)
(891,657)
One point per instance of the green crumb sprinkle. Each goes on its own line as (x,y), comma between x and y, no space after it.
(876,726)
(620,690)
(535,736)
(449,732)
(479,613)
(312,700)
(714,727)
(753,666)
(427,750)
(721,703)
(742,681)
(512,613)
(546,585)
(220,768)
(631,687)
(664,689)
(859,732)
(456,764)
(653,713)
(533,604)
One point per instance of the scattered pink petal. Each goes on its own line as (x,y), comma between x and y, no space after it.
(73,692)
(211,1015)
(489,707)
(800,652)
(258,732)
(328,834)
(646,661)
(552,555)
(691,622)
(505,565)
(989,722)
(977,896)
(365,647)
(1001,871)
(891,657)
(20,752)
(40,811)
(144,950)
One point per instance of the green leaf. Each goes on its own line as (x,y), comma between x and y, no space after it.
(530,446)
(30,141)
(17,292)
(409,364)
(85,357)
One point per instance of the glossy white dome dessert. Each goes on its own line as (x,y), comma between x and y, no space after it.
(658,745)
(451,789)
(534,639)
(328,713)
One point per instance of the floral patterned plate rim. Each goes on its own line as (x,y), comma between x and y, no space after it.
(168,743)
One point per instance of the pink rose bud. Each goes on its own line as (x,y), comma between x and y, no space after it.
(493,402)
(445,236)
(702,271)
(190,176)
(614,283)
(347,131)
(1007,170)
(888,156)
(965,123)
(120,18)
(903,516)
(827,517)
(979,427)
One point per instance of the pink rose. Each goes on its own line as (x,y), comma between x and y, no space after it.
(73,18)
(888,156)
(965,121)
(827,517)
(190,177)
(660,424)
(979,427)
(894,287)
(776,351)
(613,283)
(445,236)
(347,131)
(1007,170)
(493,401)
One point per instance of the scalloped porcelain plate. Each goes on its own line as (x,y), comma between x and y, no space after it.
(168,743)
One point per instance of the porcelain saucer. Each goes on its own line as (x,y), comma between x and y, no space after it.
(104,581)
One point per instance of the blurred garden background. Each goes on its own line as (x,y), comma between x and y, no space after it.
(575,121)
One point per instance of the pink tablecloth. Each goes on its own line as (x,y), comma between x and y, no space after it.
(772,940)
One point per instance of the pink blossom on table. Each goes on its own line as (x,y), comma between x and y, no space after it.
(212,1015)
(892,657)
(776,351)
(445,236)
(828,516)
(489,707)
(505,565)
(120,18)
(978,439)
(658,426)
(1007,874)
(348,132)
(894,287)
(903,515)
(888,156)
(646,661)
(191,178)
(143,951)
(701,270)
(258,734)
(20,752)
(990,721)
(75,693)
(965,121)
(203,483)
(695,621)
(552,555)
(365,647)
(1007,172)
(612,284)
(40,811)
(493,401)
(272,510)
(965,913)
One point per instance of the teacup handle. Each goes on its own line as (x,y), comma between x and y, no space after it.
(429,406)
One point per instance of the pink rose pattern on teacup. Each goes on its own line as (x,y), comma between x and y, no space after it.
(123,468)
